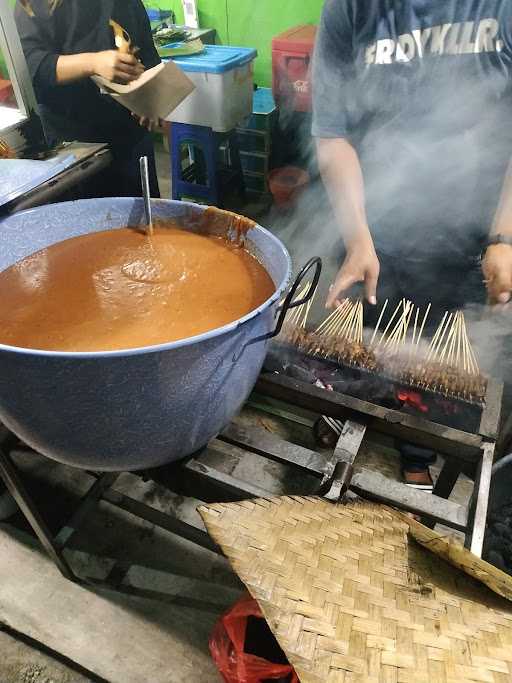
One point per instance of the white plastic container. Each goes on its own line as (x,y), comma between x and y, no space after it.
(224,82)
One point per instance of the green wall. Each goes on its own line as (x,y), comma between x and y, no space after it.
(251,23)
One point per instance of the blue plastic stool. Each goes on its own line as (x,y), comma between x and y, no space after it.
(208,175)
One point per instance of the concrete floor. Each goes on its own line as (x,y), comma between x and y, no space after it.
(21,663)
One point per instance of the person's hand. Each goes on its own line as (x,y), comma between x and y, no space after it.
(361,265)
(149,124)
(497,268)
(117,66)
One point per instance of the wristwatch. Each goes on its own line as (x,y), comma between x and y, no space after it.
(498,239)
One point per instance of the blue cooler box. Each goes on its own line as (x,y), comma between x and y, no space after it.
(224,82)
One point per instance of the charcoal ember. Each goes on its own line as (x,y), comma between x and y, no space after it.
(447,380)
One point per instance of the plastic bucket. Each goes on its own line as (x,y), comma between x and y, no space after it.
(286,184)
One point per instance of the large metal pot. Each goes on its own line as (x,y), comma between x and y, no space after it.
(136,409)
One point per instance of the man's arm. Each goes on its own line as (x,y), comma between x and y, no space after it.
(497,263)
(341,172)
(334,116)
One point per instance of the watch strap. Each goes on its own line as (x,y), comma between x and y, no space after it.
(499,239)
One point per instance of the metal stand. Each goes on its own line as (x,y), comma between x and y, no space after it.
(198,478)
(15,487)
(461,451)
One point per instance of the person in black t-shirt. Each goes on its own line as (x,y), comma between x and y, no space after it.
(412,103)
(65,43)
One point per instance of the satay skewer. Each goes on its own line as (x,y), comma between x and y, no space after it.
(448,339)
(470,365)
(407,324)
(396,338)
(415,329)
(391,335)
(333,327)
(465,349)
(376,331)
(422,329)
(361,325)
(436,336)
(472,353)
(295,314)
(343,320)
(450,343)
(455,342)
(343,332)
(457,350)
(437,348)
(384,334)
(308,311)
(397,330)
(334,315)
(298,296)
(458,357)
(474,360)
(413,349)
(351,330)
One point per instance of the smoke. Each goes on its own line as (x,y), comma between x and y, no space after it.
(490,335)
(427,112)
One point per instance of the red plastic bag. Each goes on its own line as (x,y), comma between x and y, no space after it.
(228,645)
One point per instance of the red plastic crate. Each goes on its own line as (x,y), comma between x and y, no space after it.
(292,54)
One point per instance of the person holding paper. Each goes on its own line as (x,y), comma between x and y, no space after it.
(66,42)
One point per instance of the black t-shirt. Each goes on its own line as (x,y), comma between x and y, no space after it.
(51,28)
(422,89)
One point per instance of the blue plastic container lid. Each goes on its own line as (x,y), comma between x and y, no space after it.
(158,14)
(263,102)
(215,59)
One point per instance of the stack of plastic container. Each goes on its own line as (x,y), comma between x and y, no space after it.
(292,54)
(223,77)
(255,142)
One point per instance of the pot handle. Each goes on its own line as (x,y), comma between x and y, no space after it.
(289,303)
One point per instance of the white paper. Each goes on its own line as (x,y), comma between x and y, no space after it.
(155,94)
(190,12)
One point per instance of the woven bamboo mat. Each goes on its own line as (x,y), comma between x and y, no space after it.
(351,597)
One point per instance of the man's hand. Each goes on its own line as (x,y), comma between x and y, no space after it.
(361,265)
(116,66)
(497,268)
